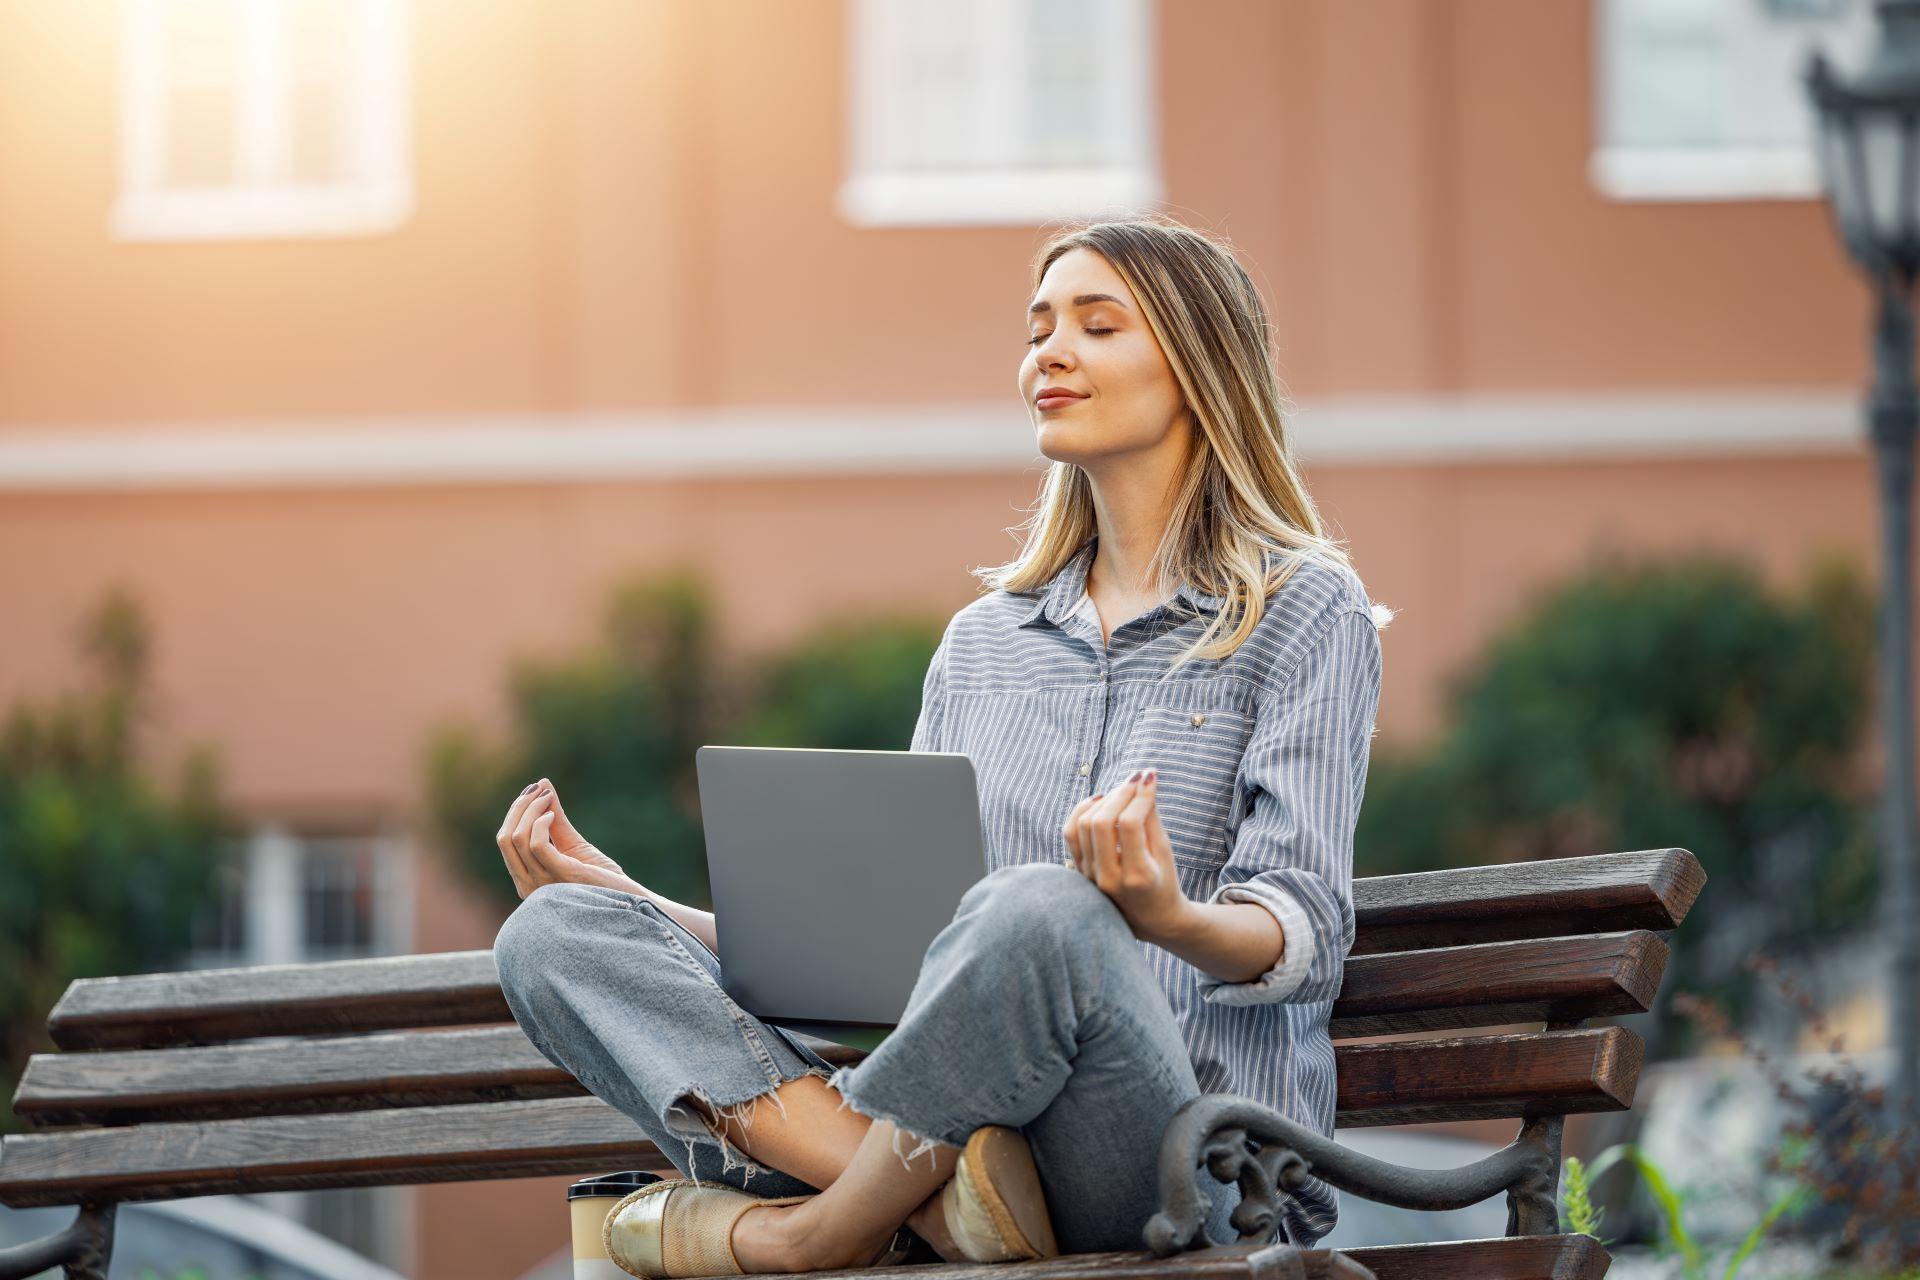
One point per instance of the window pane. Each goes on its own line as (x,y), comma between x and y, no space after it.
(339,886)
(1064,125)
(1719,73)
(1669,75)
(202,68)
(219,930)
(317,153)
(203,42)
(200,145)
(322,47)
(936,70)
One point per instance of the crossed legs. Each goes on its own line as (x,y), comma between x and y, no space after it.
(1034,1008)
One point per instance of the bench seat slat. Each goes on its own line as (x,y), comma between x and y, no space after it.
(1601,894)
(1556,1257)
(351,1149)
(1481,1077)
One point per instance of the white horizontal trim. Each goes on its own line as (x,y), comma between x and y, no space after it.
(977,197)
(747,443)
(1516,426)
(1706,173)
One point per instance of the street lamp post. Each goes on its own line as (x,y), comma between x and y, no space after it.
(1870,155)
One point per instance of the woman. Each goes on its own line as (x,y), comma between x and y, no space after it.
(1168,699)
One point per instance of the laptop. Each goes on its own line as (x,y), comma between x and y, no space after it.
(831,873)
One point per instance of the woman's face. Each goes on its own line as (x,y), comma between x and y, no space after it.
(1089,336)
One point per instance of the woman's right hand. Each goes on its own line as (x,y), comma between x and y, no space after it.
(541,847)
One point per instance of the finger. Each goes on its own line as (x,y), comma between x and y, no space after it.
(522,836)
(540,845)
(1075,857)
(1133,856)
(1157,837)
(1070,831)
(516,867)
(1098,835)
(563,829)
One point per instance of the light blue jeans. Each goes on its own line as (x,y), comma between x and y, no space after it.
(1034,1008)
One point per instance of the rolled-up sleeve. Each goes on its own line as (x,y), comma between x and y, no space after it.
(1304,771)
(933,698)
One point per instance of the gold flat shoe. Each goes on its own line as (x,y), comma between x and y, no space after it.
(677,1227)
(994,1205)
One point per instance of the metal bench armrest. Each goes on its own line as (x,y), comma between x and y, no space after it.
(82,1247)
(1236,1139)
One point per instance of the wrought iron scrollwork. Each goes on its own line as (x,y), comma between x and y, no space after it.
(82,1247)
(1237,1140)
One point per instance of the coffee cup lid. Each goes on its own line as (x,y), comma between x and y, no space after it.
(611,1184)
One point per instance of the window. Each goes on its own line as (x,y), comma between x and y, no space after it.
(262,118)
(289,898)
(999,111)
(1704,99)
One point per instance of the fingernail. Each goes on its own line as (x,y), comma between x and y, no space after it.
(529,788)
(1134,776)
(1152,774)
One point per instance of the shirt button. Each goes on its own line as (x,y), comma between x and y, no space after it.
(1199,718)
(1086,769)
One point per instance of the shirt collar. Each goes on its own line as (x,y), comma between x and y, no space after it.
(1058,597)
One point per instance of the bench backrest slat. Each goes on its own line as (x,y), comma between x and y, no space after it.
(1552,897)
(1485,984)
(1563,897)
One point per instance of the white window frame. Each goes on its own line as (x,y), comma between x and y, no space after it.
(874,195)
(1625,171)
(269,859)
(263,202)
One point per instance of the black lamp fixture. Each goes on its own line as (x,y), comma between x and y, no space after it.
(1869,148)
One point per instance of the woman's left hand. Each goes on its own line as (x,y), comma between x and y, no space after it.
(1117,841)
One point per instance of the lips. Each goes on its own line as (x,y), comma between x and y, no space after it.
(1056,399)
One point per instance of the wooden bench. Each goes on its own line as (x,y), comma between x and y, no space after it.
(167,1087)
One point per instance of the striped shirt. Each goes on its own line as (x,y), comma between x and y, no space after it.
(1262,760)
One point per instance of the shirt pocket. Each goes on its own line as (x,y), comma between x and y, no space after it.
(1197,751)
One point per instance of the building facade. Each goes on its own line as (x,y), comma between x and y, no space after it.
(369,340)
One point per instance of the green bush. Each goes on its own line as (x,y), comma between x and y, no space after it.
(616,725)
(1649,705)
(104,869)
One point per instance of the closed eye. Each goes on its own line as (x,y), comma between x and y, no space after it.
(1037,339)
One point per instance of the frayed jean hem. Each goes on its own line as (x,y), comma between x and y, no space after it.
(838,1083)
(686,1124)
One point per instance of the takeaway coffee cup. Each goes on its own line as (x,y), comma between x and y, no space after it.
(589,1201)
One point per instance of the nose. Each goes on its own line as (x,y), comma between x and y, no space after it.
(1045,356)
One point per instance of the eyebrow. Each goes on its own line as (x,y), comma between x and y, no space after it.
(1084,300)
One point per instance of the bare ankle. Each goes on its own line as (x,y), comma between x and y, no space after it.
(929,1222)
(765,1239)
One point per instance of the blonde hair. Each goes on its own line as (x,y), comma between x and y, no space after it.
(1242,505)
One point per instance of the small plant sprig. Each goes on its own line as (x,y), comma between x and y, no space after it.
(1580,1214)
(1577,1210)
(1856,1155)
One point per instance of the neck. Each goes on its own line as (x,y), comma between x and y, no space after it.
(1132,509)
